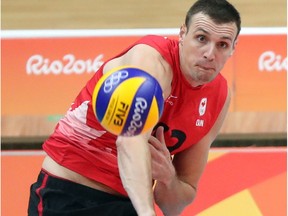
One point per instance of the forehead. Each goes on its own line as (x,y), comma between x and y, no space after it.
(202,22)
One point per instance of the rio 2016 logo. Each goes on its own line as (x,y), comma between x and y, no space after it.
(270,61)
(140,107)
(39,65)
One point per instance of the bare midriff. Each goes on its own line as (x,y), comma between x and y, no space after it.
(57,170)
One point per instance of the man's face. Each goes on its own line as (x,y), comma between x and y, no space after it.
(205,48)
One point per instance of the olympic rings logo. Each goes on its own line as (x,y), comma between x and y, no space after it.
(114,79)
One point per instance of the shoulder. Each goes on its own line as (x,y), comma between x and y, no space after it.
(152,61)
(154,38)
(146,57)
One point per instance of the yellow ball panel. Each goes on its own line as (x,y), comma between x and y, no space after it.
(120,104)
(153,116)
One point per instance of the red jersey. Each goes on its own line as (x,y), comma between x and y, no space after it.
(81,144)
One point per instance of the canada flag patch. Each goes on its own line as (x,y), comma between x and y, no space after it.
(202,106)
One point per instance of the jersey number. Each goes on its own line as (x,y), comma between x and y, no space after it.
(178,134)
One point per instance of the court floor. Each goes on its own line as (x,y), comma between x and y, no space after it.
(246,181)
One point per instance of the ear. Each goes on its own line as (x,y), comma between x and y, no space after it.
(182,33)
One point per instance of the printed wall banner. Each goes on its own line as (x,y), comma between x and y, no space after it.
(43,73)
(260,73)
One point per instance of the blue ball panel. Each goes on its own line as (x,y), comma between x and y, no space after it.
(140,107)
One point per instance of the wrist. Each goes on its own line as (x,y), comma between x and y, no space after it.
(169,181)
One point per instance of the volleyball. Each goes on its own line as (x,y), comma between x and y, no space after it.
(127,101)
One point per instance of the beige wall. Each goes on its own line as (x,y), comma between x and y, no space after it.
(93,14)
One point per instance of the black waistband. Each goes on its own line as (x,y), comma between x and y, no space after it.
(50,181)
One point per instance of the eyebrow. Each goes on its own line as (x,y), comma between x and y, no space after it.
(206,32)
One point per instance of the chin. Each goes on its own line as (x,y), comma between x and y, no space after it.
(204,80)
(208,79)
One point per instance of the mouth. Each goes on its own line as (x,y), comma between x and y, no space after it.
(205,68)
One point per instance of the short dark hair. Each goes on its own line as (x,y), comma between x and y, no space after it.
(220,11)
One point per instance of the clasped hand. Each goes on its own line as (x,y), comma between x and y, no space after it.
(162,167)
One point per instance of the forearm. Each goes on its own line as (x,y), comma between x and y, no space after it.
(134,161)
(172,197)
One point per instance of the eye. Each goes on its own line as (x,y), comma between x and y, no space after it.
(201,38)
(223,45)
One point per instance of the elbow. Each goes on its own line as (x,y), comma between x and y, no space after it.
(190,197)
(193,194)
(176,207)
(189,200)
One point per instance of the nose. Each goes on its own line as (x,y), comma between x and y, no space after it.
(209,53)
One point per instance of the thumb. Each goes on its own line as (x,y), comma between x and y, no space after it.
(160,134)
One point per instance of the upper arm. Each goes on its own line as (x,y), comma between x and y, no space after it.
(190,163)
(148,59)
